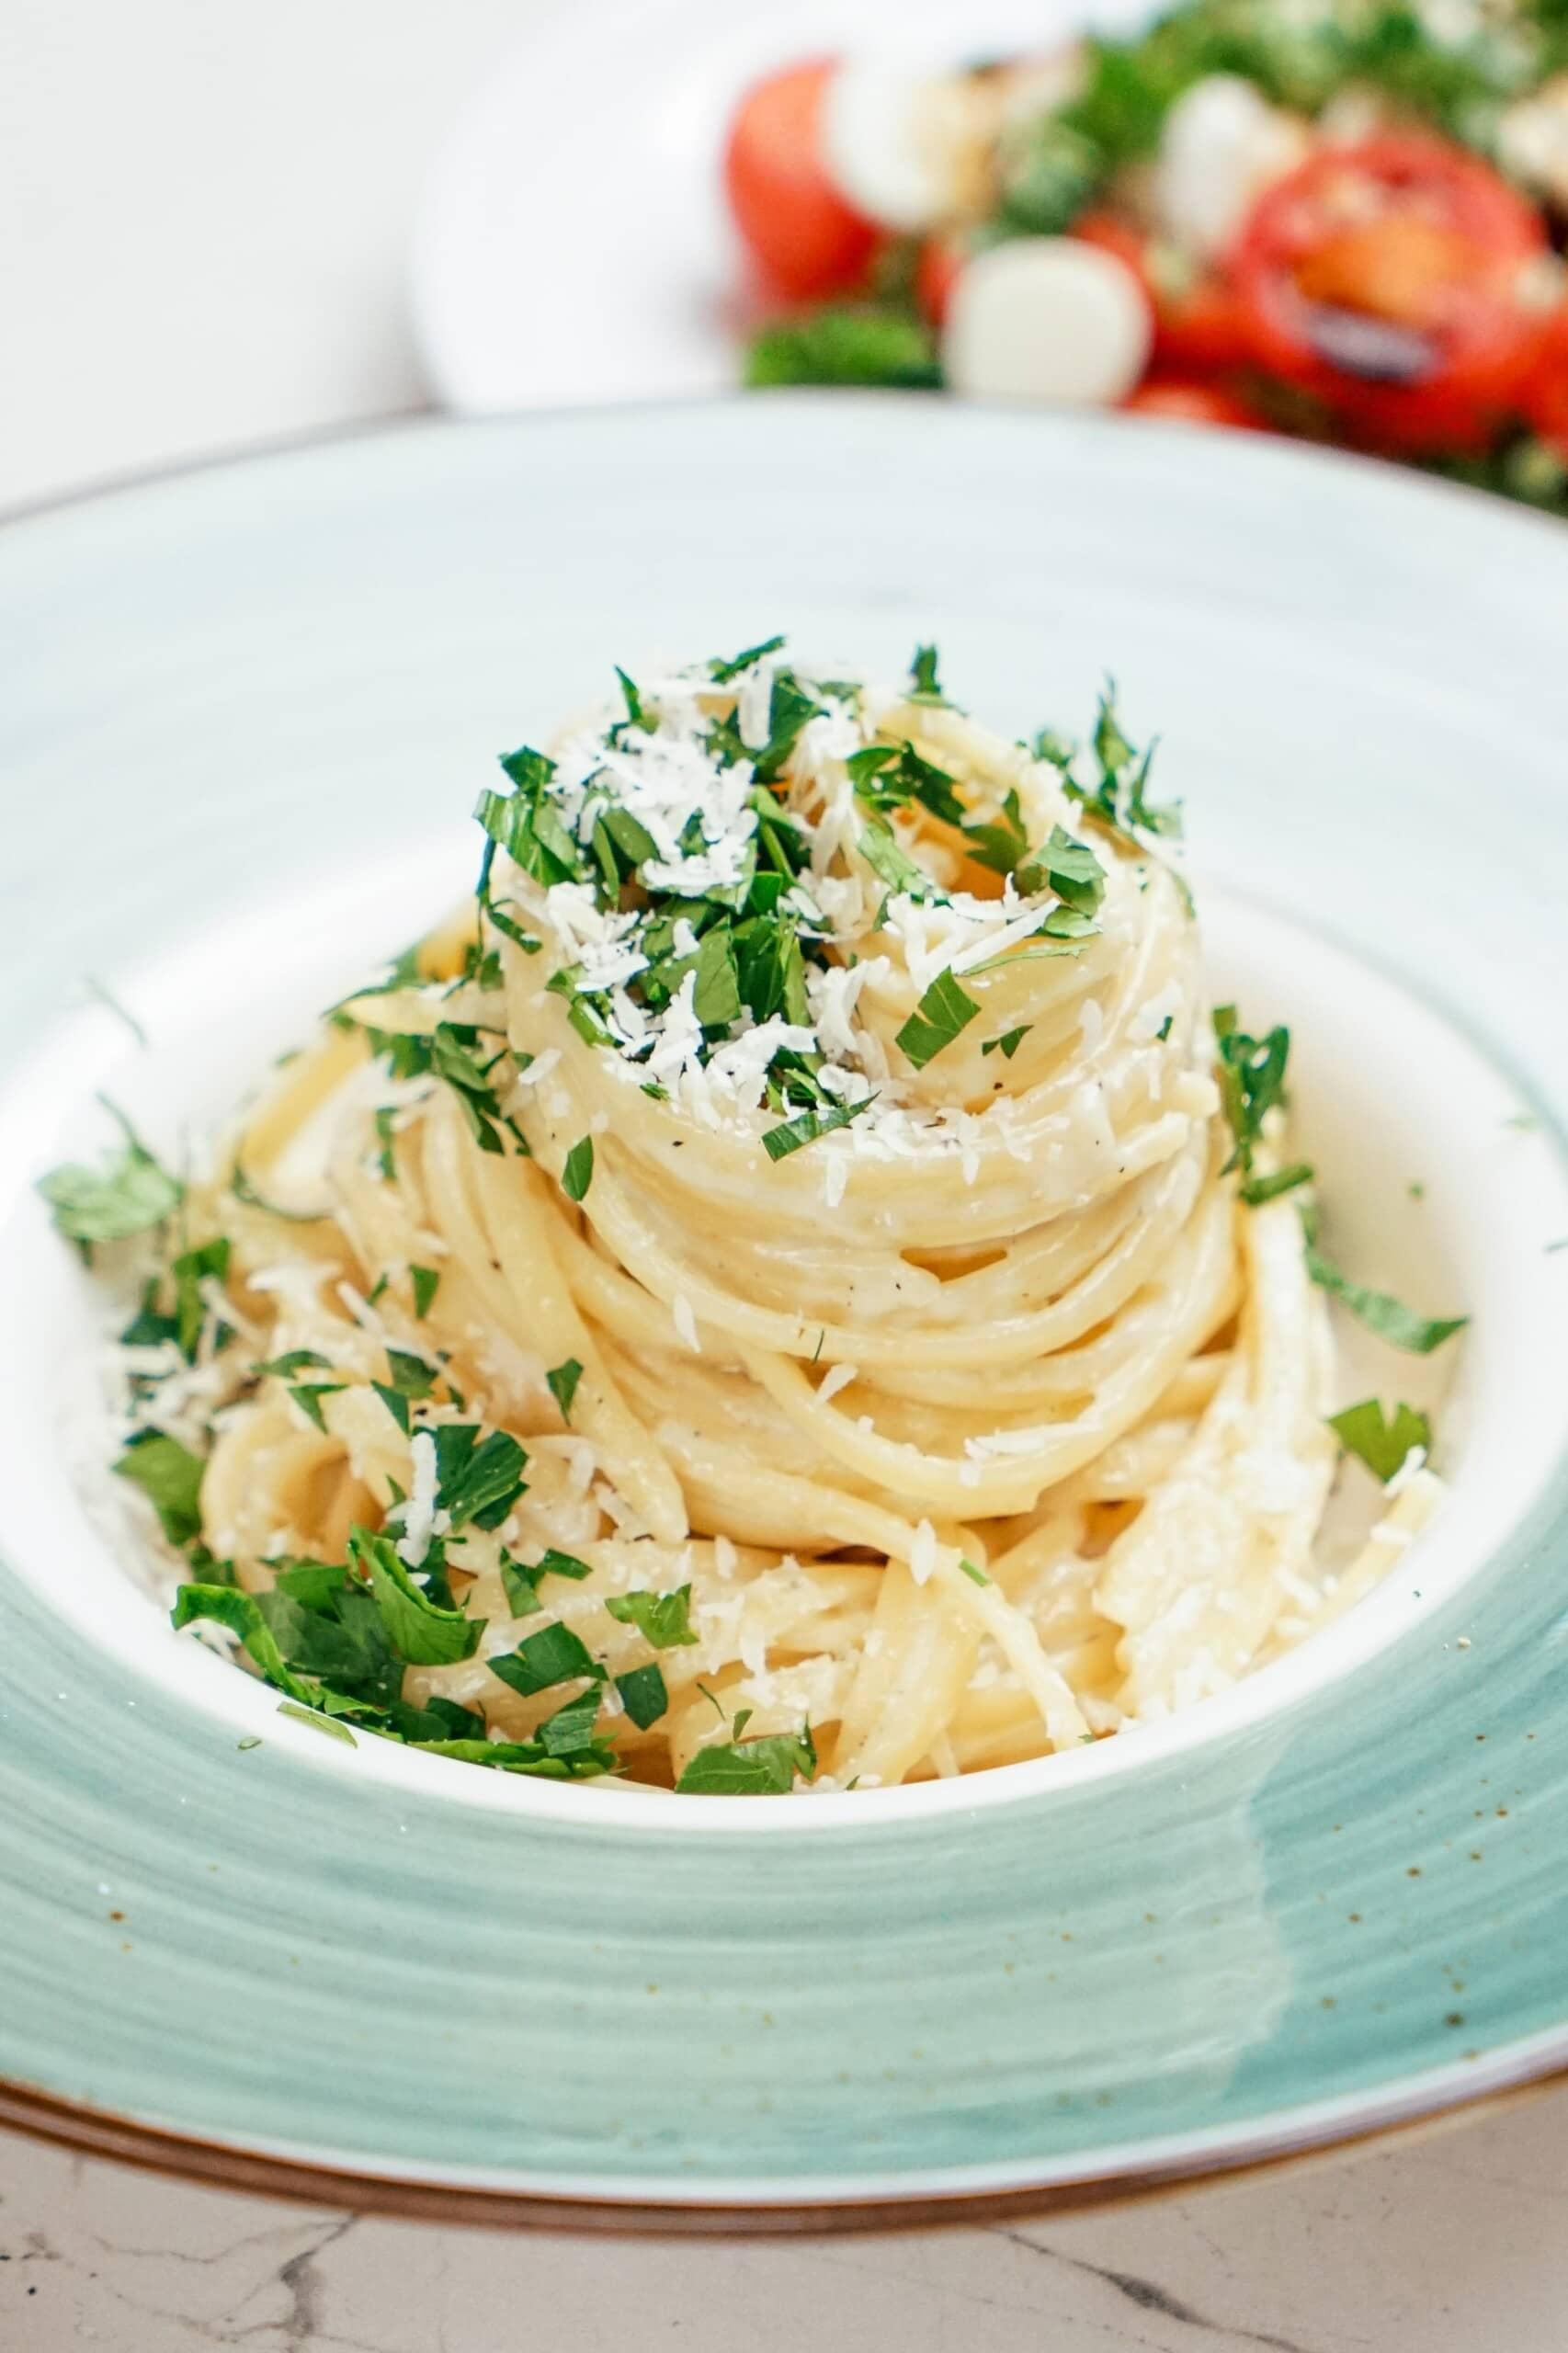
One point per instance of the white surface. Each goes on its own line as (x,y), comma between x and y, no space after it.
(202,219)
(204,216)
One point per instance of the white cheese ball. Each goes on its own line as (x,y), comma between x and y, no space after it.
(885,140)
(1048,319)
(1220,147)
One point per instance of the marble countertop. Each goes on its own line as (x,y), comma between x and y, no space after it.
(219,201)
(1449,2244)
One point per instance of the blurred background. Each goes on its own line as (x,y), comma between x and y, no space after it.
(1342,219)
(205,217)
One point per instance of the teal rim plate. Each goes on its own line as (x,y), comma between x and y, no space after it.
(246,712)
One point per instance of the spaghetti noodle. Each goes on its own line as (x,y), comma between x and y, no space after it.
(772,1295)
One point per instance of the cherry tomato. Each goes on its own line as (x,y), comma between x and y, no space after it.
(1194,403)
(1201,326)
(1391,281)
(803,237)
(1546,394)
(937,272)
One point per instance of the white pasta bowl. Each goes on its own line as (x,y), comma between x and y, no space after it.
(252,708)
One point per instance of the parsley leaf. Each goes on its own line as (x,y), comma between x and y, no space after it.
(225,1605)
(1382,1441)
(571,1729)
(1251,1073)
(308,1394)
(1119,799)
(752,1767)
(129,1194)
(723,673)
(191,1271)
(476,1479)
(1008,1044)
(170,1476)
(944,1010)
(644,1694)
(578,1173)
(521,1582)
(1254,1190)
(1381,1313)
(779,1142)
(923,686)
(562,1380)
(427,1282)
(661,1618)
(556,1655)
(418,1630)
(526,825)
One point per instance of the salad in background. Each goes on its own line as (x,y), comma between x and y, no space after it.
(1341,219)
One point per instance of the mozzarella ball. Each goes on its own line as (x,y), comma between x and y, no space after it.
(1048,319)
(886,139)
(1220,147)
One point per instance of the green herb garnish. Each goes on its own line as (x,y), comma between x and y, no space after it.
(752,1767)
(944,1010)
(170,1476)
(562,1380)
(131,1193)
(1384,1442)
(556,1655)
(578,1173)
(1381,1313)
(644,1694)
(663,1620)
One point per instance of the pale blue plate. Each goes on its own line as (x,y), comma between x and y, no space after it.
(1342,1904)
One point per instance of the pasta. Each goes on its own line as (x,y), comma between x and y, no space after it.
(781,1291)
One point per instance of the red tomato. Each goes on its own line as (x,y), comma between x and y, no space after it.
(1193,402)
(1202,327)
(936,273)
(803,237)
(1388,279)
(1546,394)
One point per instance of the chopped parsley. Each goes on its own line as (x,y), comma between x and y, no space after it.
(1251,1072)
(1008,1044)
(477,1479)
(562,1380)
(664,1620)
(807,1126)
(644,1694)
(336,1650)
(170,1476)
(1388,1317)
(1116,796)
(944,1010)
(578,1173)
(554,1655)
(425,1282)
(924,684)
(764,1767)
(1383,1441)
(521,1583)
(131,1193)
(419,1629)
